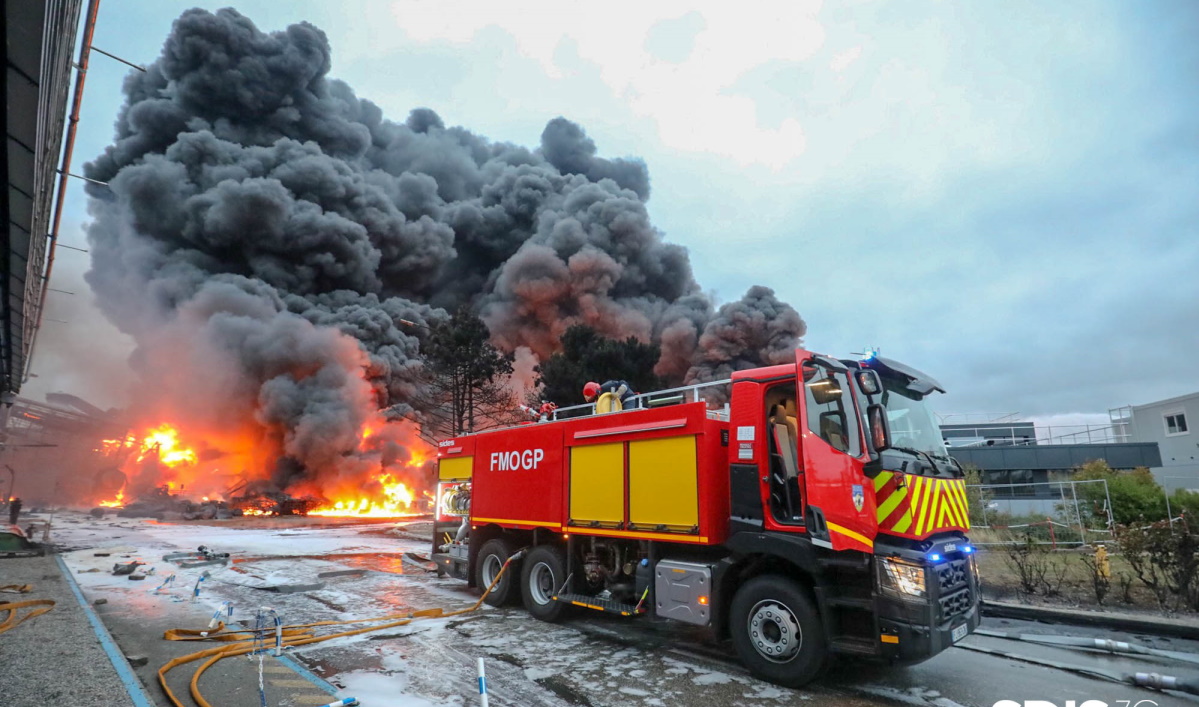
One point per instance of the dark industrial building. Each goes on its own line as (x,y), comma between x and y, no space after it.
(1014,454)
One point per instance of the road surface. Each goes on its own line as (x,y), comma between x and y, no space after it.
(591,659)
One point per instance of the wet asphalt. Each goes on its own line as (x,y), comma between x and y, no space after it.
(590,659)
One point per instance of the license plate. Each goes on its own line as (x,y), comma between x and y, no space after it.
(958,633)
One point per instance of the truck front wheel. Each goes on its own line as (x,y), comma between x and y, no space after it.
(491,559)
(544,574)
(777,632)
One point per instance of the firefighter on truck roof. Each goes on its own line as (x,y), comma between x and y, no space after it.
(620,390)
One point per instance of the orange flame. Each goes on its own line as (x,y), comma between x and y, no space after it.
(398,498)
(182,459)
(117,502)
(397,501)
(164,440)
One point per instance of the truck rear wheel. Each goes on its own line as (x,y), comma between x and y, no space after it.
(492,556)
(544,574)
(777,631)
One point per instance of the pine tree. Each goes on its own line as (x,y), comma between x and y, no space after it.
(587,356)
(467,378)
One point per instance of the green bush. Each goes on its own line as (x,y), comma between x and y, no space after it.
(1186,503)
(1136,495)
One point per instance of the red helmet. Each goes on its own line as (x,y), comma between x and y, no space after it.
(591,390)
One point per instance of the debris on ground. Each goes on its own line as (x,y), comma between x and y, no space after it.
(340,573)
(274,503)
(202,557)
(161,504)
(126,568)
(14,542)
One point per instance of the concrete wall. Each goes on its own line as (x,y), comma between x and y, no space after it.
(1179,467)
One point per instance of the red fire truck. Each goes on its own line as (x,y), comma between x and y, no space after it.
(815,512)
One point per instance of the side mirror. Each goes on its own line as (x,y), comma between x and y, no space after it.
(880,431)
(869,382)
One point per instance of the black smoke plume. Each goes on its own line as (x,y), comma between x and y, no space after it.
(265,231)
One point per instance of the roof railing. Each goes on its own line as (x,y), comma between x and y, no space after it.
(966,437)
(641,401)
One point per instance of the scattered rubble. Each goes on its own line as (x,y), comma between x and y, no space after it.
(340,573)
(15,542)
(126,568)
(201,557)
(274,504)
(164,505)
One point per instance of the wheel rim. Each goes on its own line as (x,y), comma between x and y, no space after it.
(541,583)
(491,567)
(774,631)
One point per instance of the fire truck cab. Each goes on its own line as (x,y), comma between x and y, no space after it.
(801,511)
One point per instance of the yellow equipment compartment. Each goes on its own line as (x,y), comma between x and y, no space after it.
(457,468)
(597,484)
(663,483)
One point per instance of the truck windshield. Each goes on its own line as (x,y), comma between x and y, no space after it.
(912,423)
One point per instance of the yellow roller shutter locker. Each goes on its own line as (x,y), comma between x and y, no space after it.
(663,483)
(597,484)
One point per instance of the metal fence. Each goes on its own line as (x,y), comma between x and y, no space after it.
(1054,513)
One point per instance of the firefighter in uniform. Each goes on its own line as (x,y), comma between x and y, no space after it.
(618,389)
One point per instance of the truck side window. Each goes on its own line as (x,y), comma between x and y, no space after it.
(782,432)
(830,410)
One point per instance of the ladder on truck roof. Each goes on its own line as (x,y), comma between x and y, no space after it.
(657,398)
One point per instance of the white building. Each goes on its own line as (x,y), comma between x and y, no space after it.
(1170,424)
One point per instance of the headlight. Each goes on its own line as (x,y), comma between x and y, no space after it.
(901,577)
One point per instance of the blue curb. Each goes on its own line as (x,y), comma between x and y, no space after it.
(133,686)
(308,675)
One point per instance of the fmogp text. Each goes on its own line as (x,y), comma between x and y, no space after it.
(522,460)
(1076,703)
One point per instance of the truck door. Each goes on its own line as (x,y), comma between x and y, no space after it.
(840,514)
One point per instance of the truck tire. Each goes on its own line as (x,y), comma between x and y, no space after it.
(777,631)
(543,575)
(492,556)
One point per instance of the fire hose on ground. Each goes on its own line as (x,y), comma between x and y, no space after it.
(1154,681)
(1098,644)
(11,609)
(290,636)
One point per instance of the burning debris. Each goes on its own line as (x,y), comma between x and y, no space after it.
(266,237)
(273,504)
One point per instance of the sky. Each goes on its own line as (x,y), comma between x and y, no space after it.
(1003,195)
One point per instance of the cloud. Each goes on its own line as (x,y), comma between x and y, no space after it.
(842,61)
(681,89)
